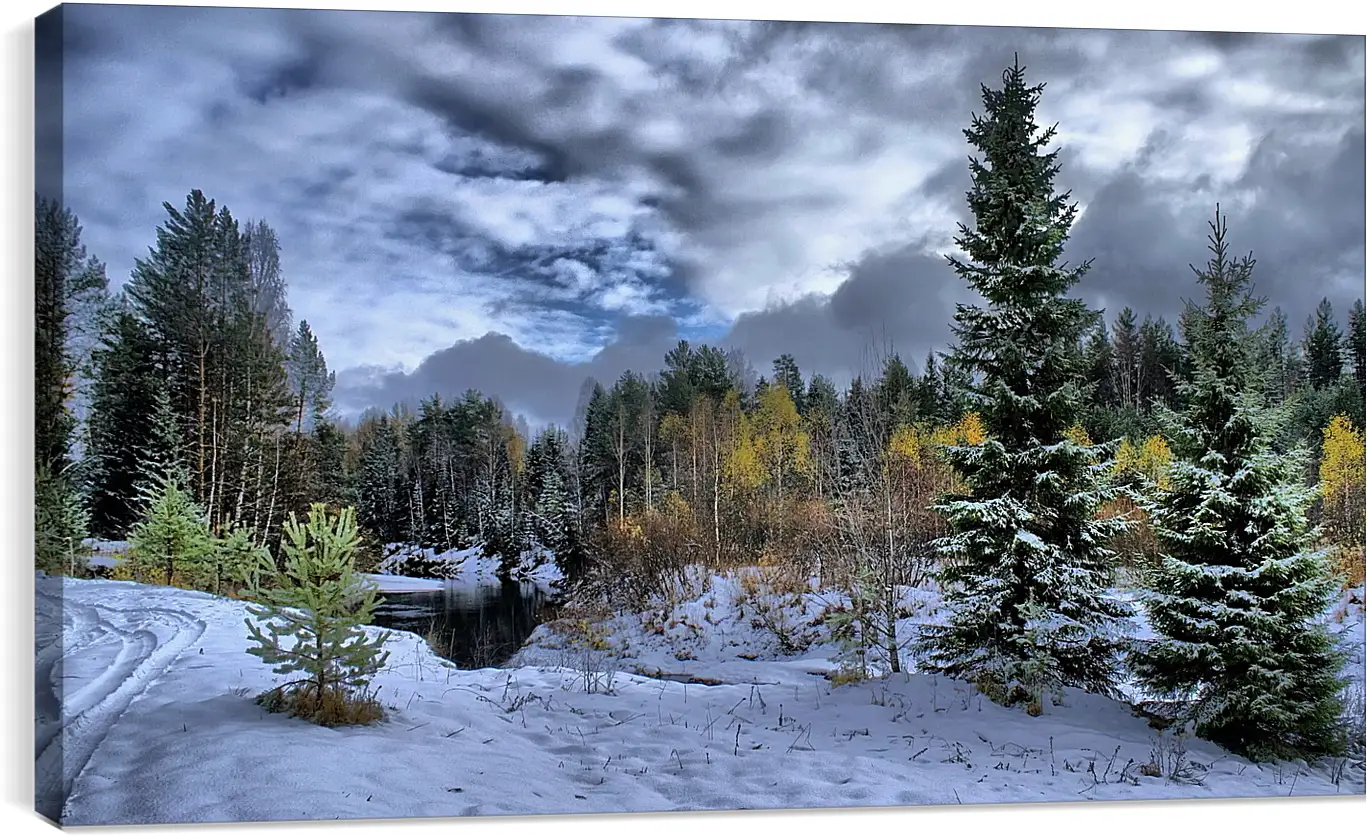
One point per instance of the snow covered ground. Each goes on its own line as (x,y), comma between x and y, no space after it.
(159,725)
(389,583)
(468,565)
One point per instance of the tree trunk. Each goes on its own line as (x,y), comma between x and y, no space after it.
(621,469)
(203,408)
(716,491)
(275,486)
(213,466)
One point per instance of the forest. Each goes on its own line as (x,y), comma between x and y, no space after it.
(190,414)
(198,362)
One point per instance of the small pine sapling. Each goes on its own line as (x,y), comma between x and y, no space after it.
(314,624)
(239,562)
(173,534)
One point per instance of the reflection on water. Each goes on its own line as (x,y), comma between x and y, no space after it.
(473,625)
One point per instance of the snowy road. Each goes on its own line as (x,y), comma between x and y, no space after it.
(160,726)
(87,675)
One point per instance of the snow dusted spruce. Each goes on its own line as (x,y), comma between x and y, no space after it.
(1025,567)
(1240,585)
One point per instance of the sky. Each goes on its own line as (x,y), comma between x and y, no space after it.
(517,203)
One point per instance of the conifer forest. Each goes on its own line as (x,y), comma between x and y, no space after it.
(1105,529)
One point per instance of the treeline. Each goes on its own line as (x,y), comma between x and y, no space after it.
(1135,367)
(706,460)
(194,372)
(198,366)
(461,474)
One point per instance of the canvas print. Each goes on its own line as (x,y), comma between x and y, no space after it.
(447,414)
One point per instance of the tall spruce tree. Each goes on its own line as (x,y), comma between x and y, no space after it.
(58,259)
(1026,568)
(379,483)
(1323,347)
(1357,342)
(200,301)
(1101,366)
(124,401)
(1239,588)
(1274,365)
(928,387)
(63,274)
(310,381)
(1159,361)
(789,376)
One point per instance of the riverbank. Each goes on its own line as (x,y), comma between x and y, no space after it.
(160,726)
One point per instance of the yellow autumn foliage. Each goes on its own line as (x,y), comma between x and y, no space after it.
(1155,461)
(1342,465)
(744,470)
(970,430)
(1342,482)
(1126,458)
(907,443)
(1152,460)
(1078,435)
(782,445)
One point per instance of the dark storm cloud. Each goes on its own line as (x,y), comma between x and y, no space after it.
(529,383)
(892,302)
(514,203)
(1141,241)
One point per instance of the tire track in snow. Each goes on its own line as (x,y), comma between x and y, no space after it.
(77,629)
(142,658)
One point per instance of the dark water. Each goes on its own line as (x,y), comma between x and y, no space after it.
(472,625)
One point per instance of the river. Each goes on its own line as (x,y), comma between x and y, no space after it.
(472,624)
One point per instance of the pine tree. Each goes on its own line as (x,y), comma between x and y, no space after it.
(1323,347)
(121,419)
(60,523)
(322,607)
(1357,343)
(1239,588)
(1026,571)
(172,537)
(310,381)
(788,376)
(1126,353)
